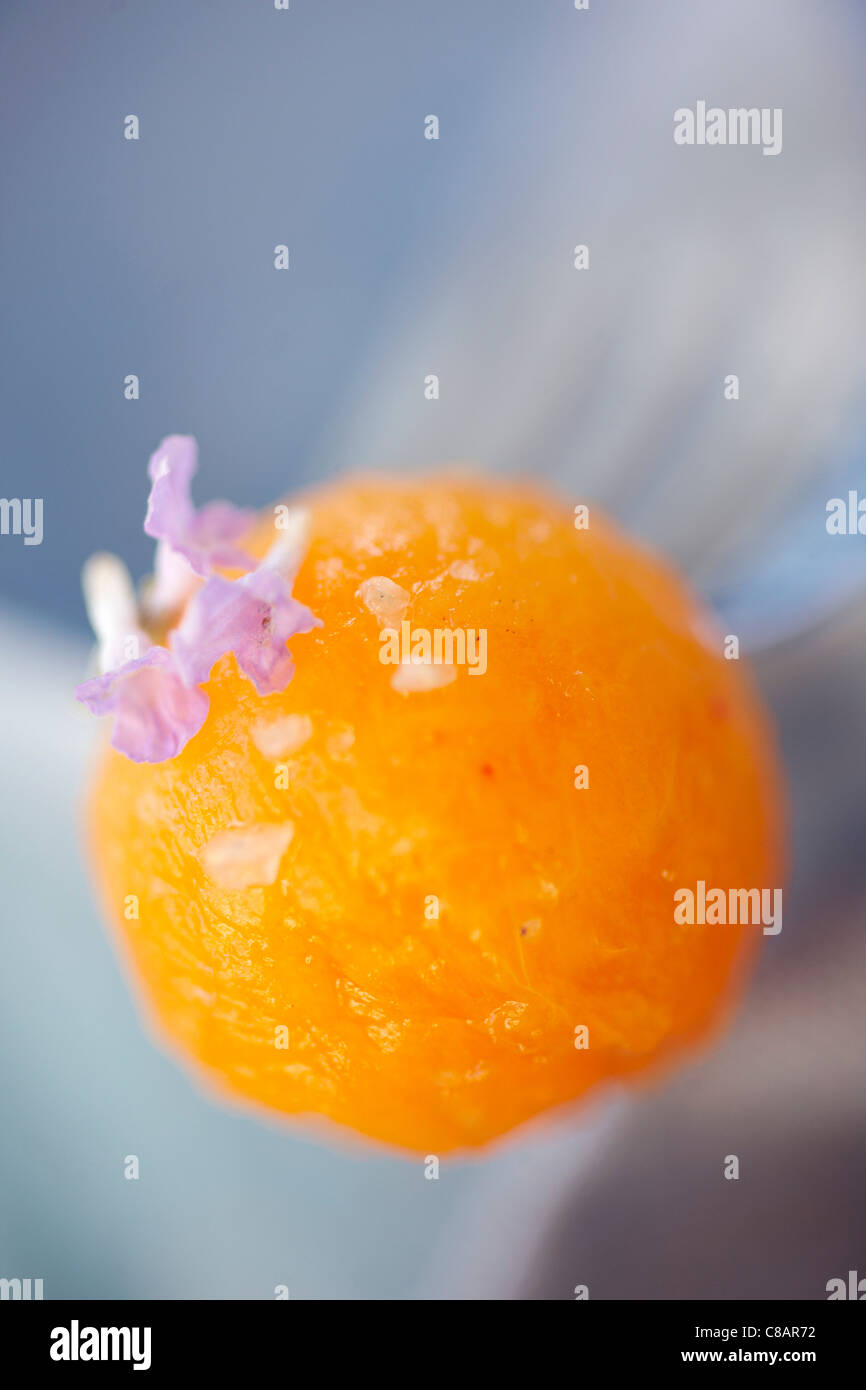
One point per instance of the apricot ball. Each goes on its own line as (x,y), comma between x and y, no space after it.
(427,901)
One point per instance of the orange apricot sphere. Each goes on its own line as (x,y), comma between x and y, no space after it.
(430,901)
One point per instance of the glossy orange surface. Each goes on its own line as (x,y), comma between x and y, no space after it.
(438,907)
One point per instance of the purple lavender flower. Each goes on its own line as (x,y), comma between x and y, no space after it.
(156,699)
(254,617)
(155,712)
(205,538)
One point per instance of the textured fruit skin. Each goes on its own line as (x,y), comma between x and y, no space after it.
(436,1035)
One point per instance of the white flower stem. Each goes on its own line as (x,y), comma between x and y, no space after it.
(109,597)
(287,552)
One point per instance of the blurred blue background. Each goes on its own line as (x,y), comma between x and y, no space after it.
(408,257)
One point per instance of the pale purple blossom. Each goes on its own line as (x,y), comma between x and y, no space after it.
(253,617)
(155,712)
(205,537)
(156,699)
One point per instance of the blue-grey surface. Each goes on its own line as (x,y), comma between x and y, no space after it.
(408,257)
